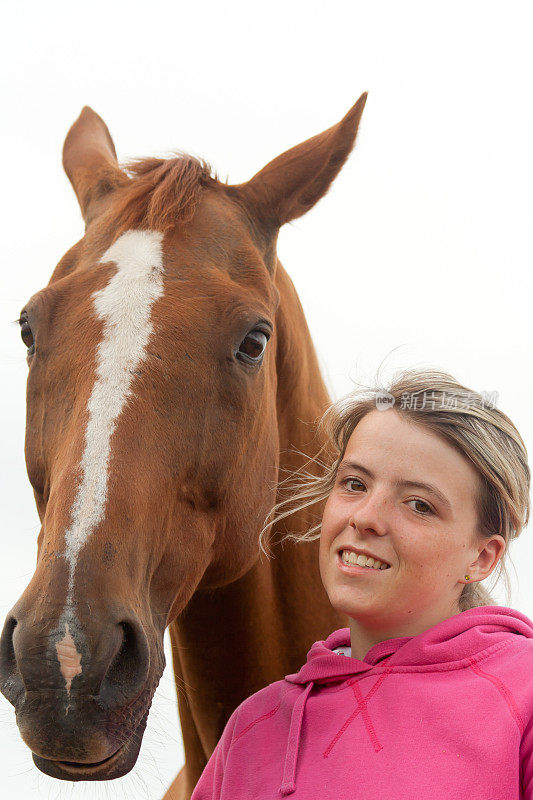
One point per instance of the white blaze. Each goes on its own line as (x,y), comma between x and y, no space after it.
(69,658)
(124,306)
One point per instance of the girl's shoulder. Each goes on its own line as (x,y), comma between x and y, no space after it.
(509,668)
(510,652)
(262,705)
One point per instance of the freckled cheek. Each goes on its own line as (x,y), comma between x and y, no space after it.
(333,522)
(324,551)
(336,514)
(329,533)
(418,557)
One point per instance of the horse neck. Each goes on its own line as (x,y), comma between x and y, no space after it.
(230,642)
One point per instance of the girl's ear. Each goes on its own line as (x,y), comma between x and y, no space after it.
(293,182)
(487,559)
(90,161)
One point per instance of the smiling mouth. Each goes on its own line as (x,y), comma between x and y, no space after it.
(350,559)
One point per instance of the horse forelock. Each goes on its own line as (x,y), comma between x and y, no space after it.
(160,193)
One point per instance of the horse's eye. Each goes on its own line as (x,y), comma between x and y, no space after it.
(252,347)
(26,334)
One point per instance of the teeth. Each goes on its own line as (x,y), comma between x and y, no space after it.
(348,557)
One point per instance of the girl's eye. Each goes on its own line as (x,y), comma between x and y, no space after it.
(355,485)
(350,482)
(425,511)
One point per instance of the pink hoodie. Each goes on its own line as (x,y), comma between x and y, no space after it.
(446,714)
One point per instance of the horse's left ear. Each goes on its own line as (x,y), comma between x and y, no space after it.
(293,182)
(90,161)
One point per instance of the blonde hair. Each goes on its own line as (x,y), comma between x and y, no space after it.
(466,419)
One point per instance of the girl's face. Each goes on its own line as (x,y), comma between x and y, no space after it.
(405,496)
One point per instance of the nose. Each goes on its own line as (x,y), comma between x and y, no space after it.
(105,659)
(368,515)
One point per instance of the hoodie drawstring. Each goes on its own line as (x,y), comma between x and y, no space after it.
(288,785)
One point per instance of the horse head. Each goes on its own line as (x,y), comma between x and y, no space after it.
(152,439)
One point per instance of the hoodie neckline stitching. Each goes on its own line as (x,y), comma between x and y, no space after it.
(360,709)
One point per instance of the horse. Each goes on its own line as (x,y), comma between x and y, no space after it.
(172,381)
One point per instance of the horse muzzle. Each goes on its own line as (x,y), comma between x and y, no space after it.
(81,691)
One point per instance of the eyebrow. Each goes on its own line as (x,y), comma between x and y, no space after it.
(427,487)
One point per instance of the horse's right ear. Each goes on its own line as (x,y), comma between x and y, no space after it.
(90,161)
(293,182)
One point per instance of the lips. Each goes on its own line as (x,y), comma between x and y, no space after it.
(75,766)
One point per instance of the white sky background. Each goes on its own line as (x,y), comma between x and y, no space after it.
(421,254)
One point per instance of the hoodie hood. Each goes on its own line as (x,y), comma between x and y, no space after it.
(465,637)
(459,638)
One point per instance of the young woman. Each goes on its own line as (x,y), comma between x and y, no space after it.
(429,692)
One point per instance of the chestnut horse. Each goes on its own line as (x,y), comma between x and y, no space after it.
(172,378)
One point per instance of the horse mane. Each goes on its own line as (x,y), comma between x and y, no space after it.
(161,191)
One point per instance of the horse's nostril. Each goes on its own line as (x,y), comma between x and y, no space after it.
(10,680)
(8,659)
(127,673)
